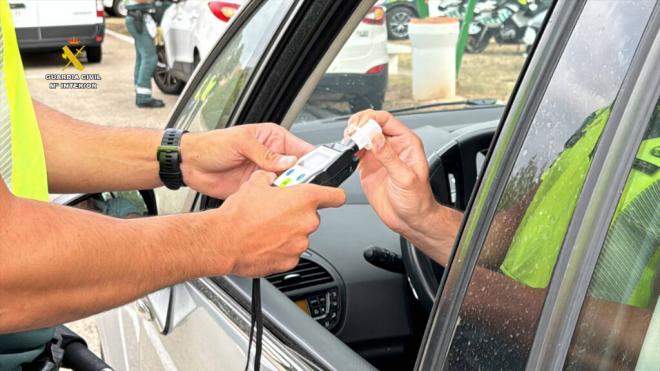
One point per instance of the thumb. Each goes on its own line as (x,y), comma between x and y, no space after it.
(400,173)
(261,177)
(265,158)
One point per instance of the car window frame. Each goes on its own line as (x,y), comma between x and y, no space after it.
(478,219)
(596,207)
(236,24)
(507,142)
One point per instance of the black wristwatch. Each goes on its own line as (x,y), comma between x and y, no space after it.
(169,158)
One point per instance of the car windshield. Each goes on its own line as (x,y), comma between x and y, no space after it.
(400,60)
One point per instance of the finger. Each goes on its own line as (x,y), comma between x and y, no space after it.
(262,177)
(324,197)
(264,157)
(391,125)
(389,158)
(295,146)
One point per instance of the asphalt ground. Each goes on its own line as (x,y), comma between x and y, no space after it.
(112,103)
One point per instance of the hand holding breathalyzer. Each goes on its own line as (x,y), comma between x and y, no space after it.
(273,224)
(394,175)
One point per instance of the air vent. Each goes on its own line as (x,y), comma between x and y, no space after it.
(305,274)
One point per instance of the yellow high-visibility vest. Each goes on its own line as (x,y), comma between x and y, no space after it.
(22,162)
(22,167)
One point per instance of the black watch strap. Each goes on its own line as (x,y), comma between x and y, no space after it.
(169,159)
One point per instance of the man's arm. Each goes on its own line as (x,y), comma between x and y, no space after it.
(85,158)
(61,264)
(515,319)
(81,157)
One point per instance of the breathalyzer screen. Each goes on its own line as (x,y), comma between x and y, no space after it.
(315,160)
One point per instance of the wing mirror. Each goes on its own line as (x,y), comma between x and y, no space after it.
(127,204)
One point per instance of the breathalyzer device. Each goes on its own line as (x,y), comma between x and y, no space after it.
(330,164)
(326,165)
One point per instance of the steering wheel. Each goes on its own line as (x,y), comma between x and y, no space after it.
(453,171)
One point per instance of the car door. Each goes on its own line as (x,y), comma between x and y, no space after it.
(208,321)
(121,328)
(523,262)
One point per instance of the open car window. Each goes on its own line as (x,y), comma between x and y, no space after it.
(423,73)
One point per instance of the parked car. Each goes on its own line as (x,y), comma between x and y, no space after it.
(115,7)
(338,311)
(192,27)
(399,13)
(52,24)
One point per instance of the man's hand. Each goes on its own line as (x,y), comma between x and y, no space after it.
(394,173)
(395,178)
(217,162)
(270,225)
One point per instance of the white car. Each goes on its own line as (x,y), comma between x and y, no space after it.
(191,28)
(115,7)
(52,24)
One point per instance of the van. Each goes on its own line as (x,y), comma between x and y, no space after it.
(52,24)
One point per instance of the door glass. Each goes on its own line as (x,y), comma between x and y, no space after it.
(499,314)
(380,68)
(619,327)
(215,96)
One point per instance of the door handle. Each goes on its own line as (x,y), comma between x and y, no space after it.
(144,309)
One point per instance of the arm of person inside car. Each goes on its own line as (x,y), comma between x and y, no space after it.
(86,158)
(516,317)
(61,264)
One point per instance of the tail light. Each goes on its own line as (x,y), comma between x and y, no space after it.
(376,15)
(99,8)
(377,69)
(223,10)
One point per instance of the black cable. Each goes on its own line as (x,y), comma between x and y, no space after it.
(256,322)
(256,298)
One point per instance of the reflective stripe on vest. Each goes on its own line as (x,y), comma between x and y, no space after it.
(22,167)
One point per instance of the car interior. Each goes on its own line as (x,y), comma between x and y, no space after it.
(380,310)
(362,282)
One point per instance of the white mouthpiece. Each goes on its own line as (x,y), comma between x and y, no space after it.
(365,133)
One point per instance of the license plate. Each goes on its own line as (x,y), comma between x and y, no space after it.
(17,10)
